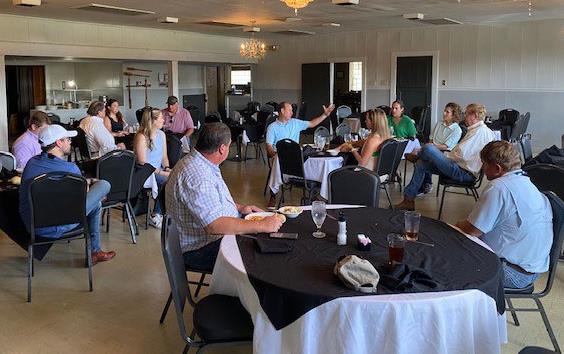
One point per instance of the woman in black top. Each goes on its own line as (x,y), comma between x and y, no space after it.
(114,119)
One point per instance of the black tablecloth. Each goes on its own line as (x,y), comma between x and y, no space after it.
(290,284)
(11,222)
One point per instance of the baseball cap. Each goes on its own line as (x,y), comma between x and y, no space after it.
(171,100)
(54,132)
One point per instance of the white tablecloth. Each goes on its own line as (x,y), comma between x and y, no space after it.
(447,322)
(497,134)
(315,169)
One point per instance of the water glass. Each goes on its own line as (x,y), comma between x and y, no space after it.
(411,221)
(396,247)
(348,138)
(318,214)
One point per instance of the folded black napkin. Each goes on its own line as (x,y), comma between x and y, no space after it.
(403,278)
(309,151)
(273,246)
(338,140)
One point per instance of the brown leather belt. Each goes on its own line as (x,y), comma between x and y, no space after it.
(516,267)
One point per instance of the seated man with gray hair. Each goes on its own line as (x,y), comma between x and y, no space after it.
(512,217)
(200,204)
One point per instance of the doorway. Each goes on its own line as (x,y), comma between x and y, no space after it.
(347,85)
(25,89)
(414,81)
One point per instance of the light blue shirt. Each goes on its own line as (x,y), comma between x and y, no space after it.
(446,134)
(196,196)
(516,220)
(155,155)
(290,130)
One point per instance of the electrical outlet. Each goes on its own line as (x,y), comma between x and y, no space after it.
(443,83)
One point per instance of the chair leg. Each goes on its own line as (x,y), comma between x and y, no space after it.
(442,201)
(281,200)
(404,171)
(108,211)
(388,196)
(88,250)
(200,283)
(103,216)
(29,271)
(186,349)
(438,188)
(267,179)
(511,309)
(131,222)
(474,194)
(547,325)
(147,215)
(165,309)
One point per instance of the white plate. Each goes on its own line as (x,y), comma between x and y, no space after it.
(334,152)
(284,210)
(262,215)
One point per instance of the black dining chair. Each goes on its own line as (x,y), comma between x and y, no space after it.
(79,143)
(536,350)
(529,292)
(547,178)
(7,161)
(396,176)
(386,109)
(354,185)
(255,134)
(470,187)
(291,160)
(217,319)
(69,192)
(116,167)
(526,147)
(385,165)
(173,149)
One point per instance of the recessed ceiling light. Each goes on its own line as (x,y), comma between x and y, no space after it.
(331,24)
(168,19)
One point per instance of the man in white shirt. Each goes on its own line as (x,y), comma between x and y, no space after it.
(512,217)
(462,164)
(99,139)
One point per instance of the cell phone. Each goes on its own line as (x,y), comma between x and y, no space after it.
(285,235)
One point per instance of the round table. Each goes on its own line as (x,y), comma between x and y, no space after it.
(464,321)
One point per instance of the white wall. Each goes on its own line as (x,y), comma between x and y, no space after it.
(519,65)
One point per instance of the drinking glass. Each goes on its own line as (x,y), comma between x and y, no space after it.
(318,214)
(411,220)
(396,247)
(348,138)
(320,142)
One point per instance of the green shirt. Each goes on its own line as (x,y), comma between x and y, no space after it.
(405,128)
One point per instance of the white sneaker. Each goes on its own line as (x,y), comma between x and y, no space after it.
(156,221)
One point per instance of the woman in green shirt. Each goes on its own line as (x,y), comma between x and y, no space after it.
(403,126)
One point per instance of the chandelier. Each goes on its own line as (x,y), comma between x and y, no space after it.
(252,49)
(296,4)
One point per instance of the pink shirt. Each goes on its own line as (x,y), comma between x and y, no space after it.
(178,123)
(26,147)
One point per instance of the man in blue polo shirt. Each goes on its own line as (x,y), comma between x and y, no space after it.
(56,144)
(286,127)
(512,217)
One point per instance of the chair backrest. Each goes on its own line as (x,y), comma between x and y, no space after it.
(268,108)
(547,177)
(419,114)
(354,185)
(116,167)
(271,119)
(7,161)
(321,131)
(343,129)
(176,271)
(400,148)
(558,229)
(139,114)
(517,146)
(343,112)
(255,132)
(57,198)
(526,147)
(196,115)
(173,149)
(508,116)
(79,141)
(290,158)
(386,159)
(212,118)
(386,109)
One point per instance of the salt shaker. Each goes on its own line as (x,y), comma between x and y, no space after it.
(342,235)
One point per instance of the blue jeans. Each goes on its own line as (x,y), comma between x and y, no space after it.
(94,197)
(514,279)
(433,161)
(161,181)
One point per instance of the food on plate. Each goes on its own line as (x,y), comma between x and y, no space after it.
(17,180)
(261,216)
(291,210)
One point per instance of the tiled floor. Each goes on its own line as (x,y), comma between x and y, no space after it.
(121,315)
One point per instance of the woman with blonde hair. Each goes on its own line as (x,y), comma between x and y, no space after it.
(150,147)
(377,122)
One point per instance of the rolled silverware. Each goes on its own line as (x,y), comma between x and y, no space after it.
(422,243)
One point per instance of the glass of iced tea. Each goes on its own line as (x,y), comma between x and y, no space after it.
(396,247)
(412,220)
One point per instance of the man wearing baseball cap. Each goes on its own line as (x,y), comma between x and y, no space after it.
(177,119)
(55,145)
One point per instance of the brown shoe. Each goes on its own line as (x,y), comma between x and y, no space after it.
(412,157)
(406,204)
(102,256)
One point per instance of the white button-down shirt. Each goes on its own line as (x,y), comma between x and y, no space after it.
(196,196)
(467,152)
(516,220)
(98,138)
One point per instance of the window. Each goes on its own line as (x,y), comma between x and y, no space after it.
(355,76)
(240,75)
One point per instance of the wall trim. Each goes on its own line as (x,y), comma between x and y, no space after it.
(474,89)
